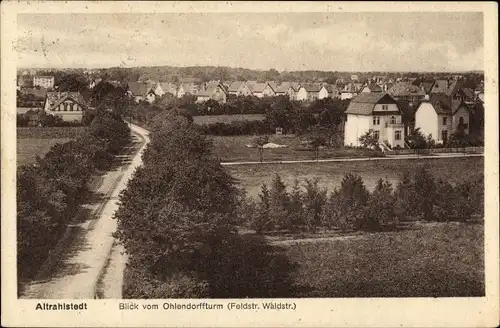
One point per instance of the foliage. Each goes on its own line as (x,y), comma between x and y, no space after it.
(259,143)
(314,201)
(369,141)
(416,139)
(178,218)
(380,208)
(236,128)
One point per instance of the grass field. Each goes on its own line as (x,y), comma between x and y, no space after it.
(207,119)
(433,260)
(49,133)
(234,149)
(454,170)
(27,149)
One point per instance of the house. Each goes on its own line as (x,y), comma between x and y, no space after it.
(262,90)
(308,92)
(479,91)
(444,86)
(354,77)
(141,91)
(283,89)
(186,89)
(239,88)
(46,82)
(328,91)
(372,87)
(407,91)
(213,91)
(440,116)
(350,91)
(67,105)
(31,98)
(94,82)
(377,112)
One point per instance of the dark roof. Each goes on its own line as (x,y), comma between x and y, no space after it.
(138,88)
(401,89)
(469,93)
(258,87)
(427,85)
(364,103)
(235,86)
(283,87)
(55,98)
(374,87)
(311,87)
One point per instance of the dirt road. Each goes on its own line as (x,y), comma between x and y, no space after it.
(84,262)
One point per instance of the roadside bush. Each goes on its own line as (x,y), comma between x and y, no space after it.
(22,120)
(380,211)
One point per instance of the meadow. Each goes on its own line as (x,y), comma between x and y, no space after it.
(453,170)
(234,149)
(34,141)
(427,260)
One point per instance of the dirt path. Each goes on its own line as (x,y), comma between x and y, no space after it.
(78,272)
(356,159)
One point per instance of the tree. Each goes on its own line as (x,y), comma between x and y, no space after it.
(380,208)
(346,206)
(261,221)
(424,192)
(368,140)
(416,139)
(317,138)
(259,143)
(279,204)
(405,206)
(459,138)
(314,200)
(295,208)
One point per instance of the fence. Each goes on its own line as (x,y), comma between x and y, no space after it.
(468,150)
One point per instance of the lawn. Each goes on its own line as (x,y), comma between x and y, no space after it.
(50,132)
(234,149)
(207,119)
(27,148)
(251,177)
(430,260)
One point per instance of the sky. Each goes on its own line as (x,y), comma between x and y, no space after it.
(284,41)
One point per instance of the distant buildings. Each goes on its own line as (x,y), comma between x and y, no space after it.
(46,82)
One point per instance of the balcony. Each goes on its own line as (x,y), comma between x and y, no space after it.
(394,125)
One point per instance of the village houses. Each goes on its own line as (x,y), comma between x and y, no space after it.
(213,90)
(140,91)
(261,90)
(377,112)
(308,92)
(239,88)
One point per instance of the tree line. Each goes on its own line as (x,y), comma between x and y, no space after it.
(177,221)
(308,207)
(51,191)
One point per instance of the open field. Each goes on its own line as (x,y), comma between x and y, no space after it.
(234,149)
(50,132)
(207,119)
(454,170)
(430,260)
(27,148)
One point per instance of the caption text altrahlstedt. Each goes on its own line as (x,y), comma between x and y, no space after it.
(133,306)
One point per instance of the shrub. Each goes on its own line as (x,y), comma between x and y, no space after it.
(314,200)
(380,211)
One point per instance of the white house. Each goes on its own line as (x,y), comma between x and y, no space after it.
(67,105)
(439,117)
(323,92)
(213,91)
(141,91)
(308,92)
(46,82)
(378,112)
(350,91)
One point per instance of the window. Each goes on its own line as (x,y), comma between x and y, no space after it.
(397,135)
(65,107)
(393,120)
(376,120)
(376,134)
(445,120)
(444,135)
(461,121)
(385,107)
